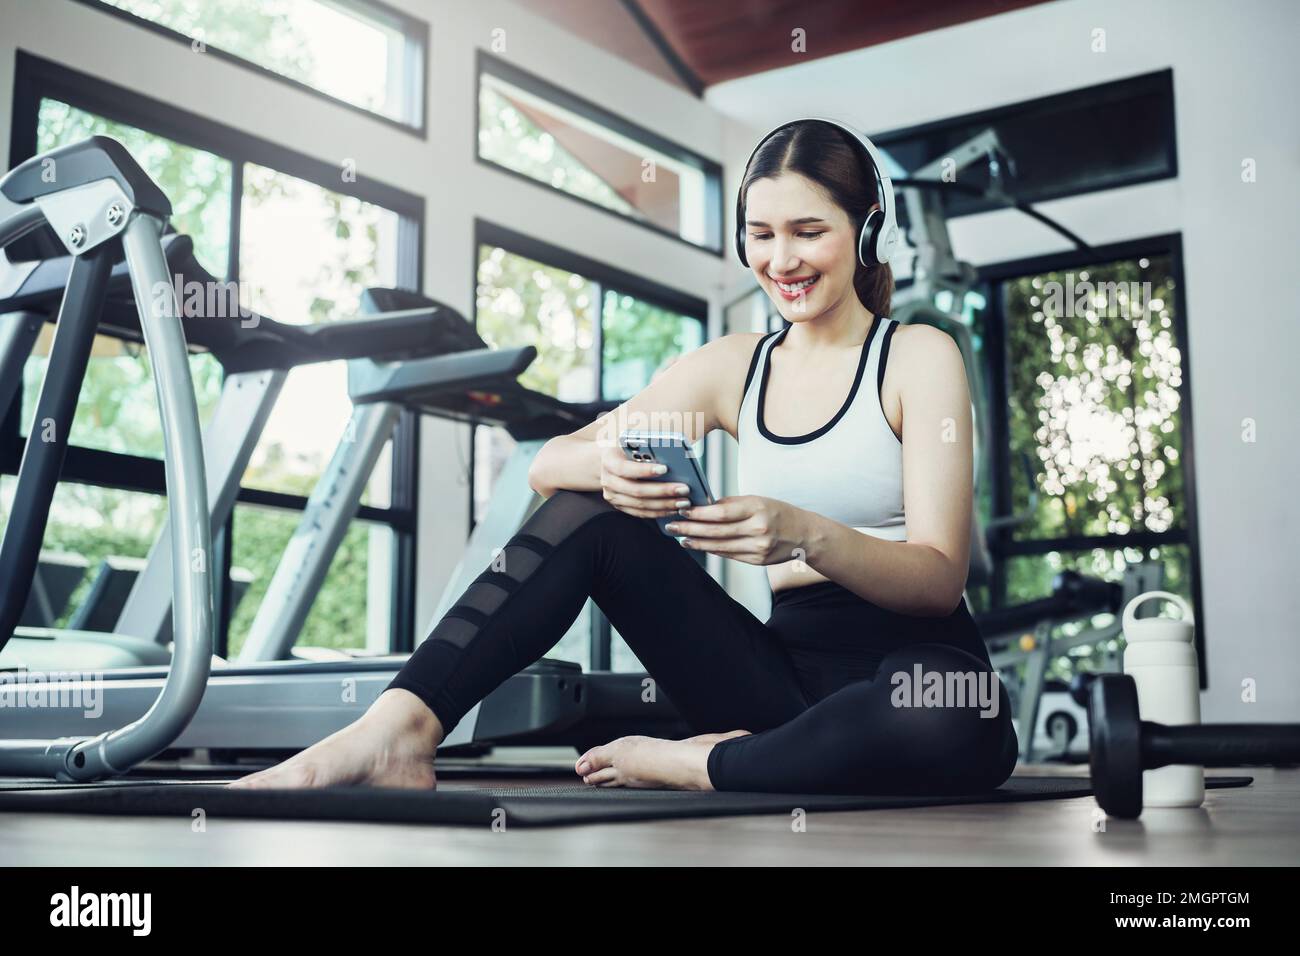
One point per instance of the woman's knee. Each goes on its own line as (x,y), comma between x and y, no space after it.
(941,673)
(565,512)
(955,700)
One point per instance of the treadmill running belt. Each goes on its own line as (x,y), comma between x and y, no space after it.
(523,806)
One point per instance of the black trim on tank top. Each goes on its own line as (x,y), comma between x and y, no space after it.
(880,377)
(857,380)
(753,364)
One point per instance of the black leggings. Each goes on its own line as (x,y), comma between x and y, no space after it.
(804,683)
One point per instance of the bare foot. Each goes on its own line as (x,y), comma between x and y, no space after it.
(391,745)
(651,763)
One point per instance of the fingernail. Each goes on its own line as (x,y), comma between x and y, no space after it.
(672,527)
(686,542)
(682,490)
(584,768)
(683,503)
(660,469)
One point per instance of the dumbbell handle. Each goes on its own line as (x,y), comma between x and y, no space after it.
(1219,745)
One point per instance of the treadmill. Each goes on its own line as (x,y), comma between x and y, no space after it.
(266,703)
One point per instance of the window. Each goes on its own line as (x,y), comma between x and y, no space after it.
(637,339)
(197,182)
(1088,367)
(533,128)
(600,335)
(302,243)
(118,409)
(92,523)
(343,615)
(361,53)
(1096,399)
(305,256)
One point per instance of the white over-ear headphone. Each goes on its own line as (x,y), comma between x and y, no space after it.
(879,238)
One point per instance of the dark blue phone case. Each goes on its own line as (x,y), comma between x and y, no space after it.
(683,468)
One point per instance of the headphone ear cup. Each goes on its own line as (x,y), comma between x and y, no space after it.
(868,238)
(740,246)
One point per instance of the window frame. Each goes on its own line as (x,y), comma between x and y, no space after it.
(415,33)
(606,278)
(37,79)
(714,221)
(1002,544)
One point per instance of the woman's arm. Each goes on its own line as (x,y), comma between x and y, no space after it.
(926,574)
(683,397)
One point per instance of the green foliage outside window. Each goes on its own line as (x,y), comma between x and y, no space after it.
(338,614)
(94,523)
(1094,383)
(637,338)
(197,183)
(1095,403)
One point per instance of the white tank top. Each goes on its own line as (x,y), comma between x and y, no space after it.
(850,469)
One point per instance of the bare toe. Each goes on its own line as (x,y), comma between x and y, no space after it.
(288,775)
(597,758)
(602,778)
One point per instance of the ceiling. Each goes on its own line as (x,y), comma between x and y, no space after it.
(695,44)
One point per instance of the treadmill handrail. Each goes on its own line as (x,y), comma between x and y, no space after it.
(110,212)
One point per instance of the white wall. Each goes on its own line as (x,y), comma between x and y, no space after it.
(440,168)
(1235,83)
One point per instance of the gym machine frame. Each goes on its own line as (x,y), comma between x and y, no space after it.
(101,203)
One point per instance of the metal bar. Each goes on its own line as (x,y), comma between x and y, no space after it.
(405,495)
(118,750)
(1031,689)
(38,474)
(306,560)
(222,592)
(18,334)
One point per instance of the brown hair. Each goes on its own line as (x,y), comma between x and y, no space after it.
(827,155)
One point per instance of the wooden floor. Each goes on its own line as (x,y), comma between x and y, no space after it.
(1251,826)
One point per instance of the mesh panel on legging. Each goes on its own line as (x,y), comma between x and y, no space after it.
(451,644)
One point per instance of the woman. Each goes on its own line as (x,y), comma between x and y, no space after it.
(870,675)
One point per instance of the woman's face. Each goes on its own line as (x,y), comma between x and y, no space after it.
(801,246)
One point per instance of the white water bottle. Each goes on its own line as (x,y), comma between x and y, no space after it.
(1160,656)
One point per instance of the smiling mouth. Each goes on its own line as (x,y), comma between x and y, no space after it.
(793,288)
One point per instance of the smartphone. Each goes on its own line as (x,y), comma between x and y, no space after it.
(671,449)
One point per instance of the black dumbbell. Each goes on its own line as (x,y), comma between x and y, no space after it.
(1122,745)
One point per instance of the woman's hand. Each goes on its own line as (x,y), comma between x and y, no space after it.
(634,488)
(748,528)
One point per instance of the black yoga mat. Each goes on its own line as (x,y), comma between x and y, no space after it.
(525,806)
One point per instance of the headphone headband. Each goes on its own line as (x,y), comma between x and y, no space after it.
(879,238)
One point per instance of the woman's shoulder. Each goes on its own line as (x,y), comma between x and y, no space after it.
(731,351)
(920,356)
(727,360)
(921,344)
